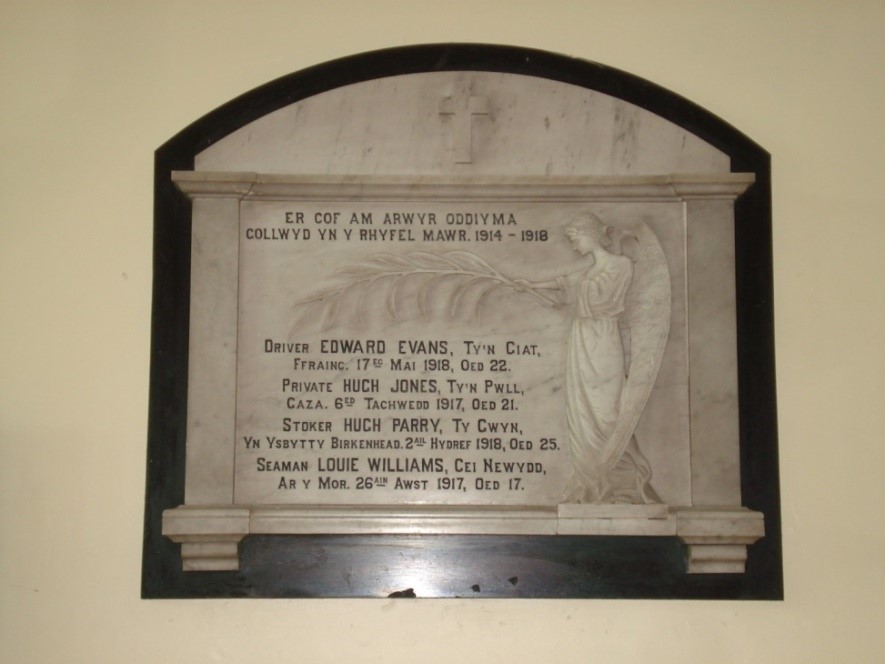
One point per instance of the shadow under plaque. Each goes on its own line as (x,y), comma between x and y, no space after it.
(462,321)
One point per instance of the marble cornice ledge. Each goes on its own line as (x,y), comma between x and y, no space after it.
(272,187)
(716,537)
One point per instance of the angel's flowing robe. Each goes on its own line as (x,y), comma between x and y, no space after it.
(595,374)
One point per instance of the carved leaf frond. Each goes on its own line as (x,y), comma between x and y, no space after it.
(422,296)
(391,300)
(470,261)
(479,300)
(460,292)
(329,314)
(309,312)
(361,282)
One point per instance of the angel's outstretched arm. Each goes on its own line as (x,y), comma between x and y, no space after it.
(551,284)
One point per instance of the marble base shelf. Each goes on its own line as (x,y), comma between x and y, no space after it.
(717,537)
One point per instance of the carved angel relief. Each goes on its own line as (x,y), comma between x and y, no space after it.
(619,328)
(605,391)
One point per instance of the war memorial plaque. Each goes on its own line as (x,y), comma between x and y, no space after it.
(429,313)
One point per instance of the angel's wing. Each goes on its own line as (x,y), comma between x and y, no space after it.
(647,315)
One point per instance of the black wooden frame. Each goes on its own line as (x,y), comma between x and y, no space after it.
(460,565)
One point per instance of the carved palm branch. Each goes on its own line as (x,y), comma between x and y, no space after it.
(470,278)
(647,315)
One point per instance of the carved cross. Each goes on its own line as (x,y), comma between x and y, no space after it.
(462,106)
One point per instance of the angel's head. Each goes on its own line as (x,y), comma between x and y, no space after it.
(586,232)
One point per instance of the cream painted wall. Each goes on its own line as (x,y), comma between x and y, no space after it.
(88,90)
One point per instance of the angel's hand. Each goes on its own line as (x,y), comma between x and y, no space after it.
(522,285)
